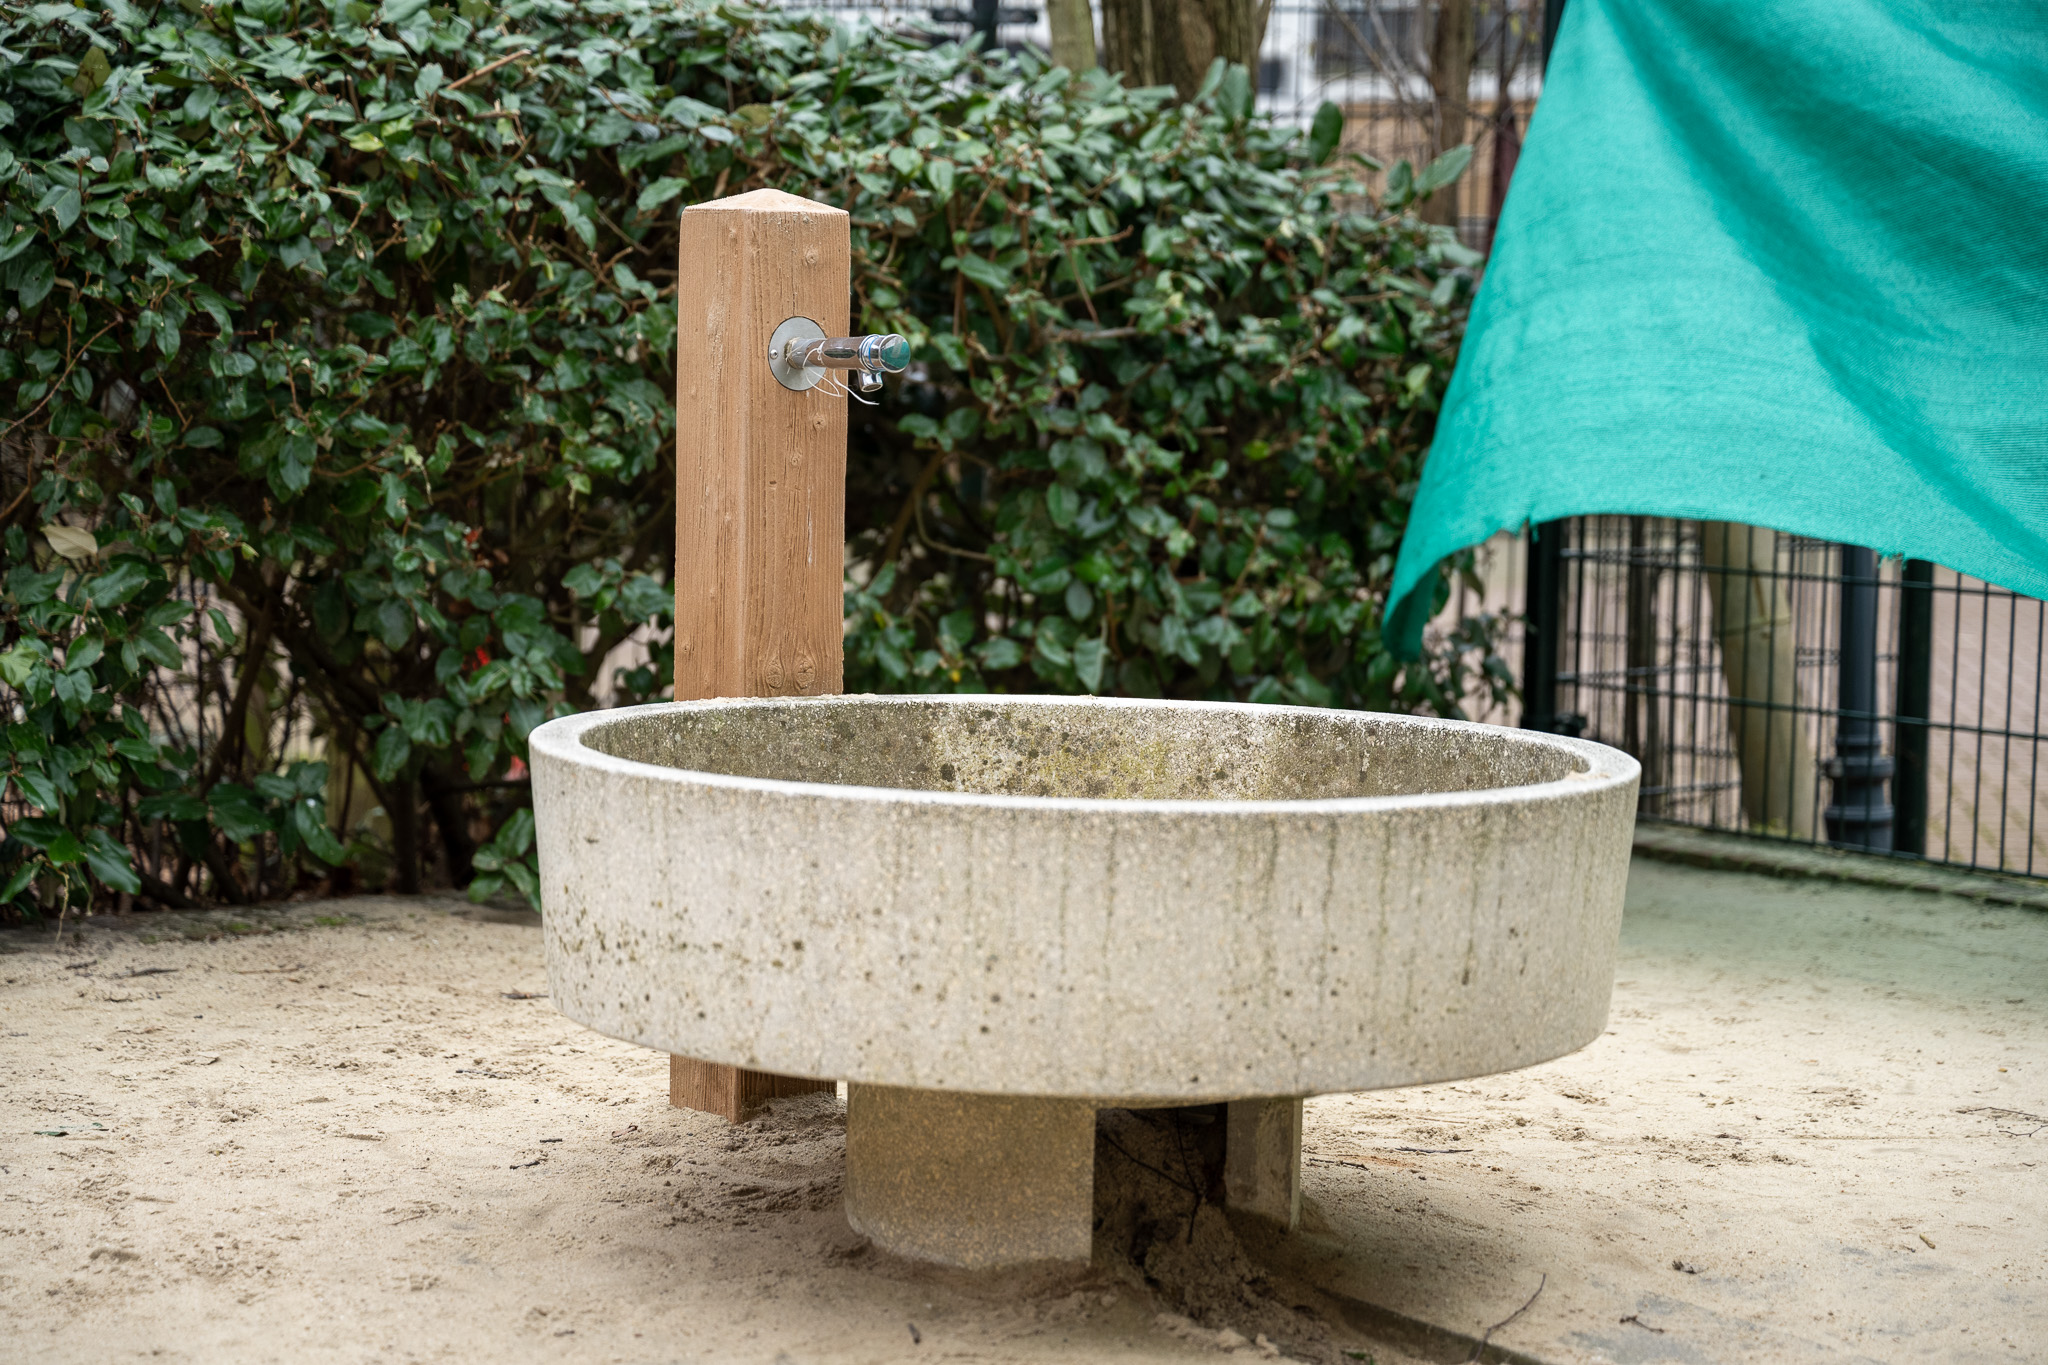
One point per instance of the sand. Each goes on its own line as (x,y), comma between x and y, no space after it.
(357,1131)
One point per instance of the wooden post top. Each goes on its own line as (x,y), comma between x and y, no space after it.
(765,201)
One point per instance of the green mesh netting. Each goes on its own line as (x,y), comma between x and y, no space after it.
(1784,264)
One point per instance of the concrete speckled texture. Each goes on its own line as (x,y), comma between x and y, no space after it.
(972,1181)
(1164,902)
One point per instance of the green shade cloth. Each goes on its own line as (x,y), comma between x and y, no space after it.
(1784,264)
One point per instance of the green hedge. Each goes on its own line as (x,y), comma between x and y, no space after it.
(338,443)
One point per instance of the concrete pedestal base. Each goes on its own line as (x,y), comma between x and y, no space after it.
(973,1181)
(1262,1160)
(982,1181)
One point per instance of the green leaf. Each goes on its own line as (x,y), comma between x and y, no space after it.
(238,812)
(391,753)
(61,202)
(35,282)
(17,883)
(57,843)
(38,790)
(84,653)
(515,837)
(1325,133)
(174,806)
(1443,170)
(938,172)
(1000,654)
(135,750)
(1400,184)
(1234,100)
(118,584)
(309,822)
(109,862)
(984,271)
(394,623)
(643,598)
(659,193)
(1089,657)
(17,663)
(1062,504)
(525,879)
(159,649)
(93,70)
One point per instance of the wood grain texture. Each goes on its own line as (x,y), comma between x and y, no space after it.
(760,470)
(760,494)
(733,1092)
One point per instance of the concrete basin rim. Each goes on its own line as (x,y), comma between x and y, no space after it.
(561,739)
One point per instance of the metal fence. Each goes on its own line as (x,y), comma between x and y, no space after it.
(1796,689)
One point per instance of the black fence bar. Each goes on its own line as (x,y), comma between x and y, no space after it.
(1916,685)
(1792,688)
(1542,621)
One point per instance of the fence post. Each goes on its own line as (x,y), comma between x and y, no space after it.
(1859,816)
(1642,723)
(1916,696)
(760,494)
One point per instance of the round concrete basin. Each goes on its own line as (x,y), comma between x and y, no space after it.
(1094,902)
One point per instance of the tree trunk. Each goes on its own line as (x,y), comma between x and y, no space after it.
(1073,34)
(1450,76)
(1759,658)
(1172,42)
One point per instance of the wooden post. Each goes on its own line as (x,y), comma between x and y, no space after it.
(760,494)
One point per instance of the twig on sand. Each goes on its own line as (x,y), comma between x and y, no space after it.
(2021,1114)
(1480,1349)
(1644,1325)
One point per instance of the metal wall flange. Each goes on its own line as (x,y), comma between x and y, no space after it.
(798,377)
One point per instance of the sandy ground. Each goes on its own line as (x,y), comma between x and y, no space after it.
(347,1132)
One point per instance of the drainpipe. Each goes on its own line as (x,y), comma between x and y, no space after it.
(1859,816)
